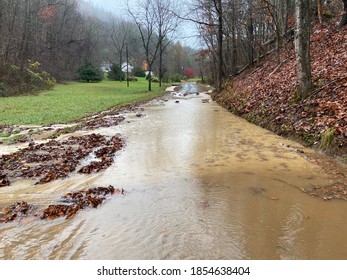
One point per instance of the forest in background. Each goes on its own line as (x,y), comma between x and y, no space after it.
(44,41)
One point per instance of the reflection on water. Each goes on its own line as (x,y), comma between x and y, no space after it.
(200,184)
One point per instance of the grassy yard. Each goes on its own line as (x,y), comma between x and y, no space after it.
(72,101)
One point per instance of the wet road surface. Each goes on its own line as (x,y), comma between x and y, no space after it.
(200,183)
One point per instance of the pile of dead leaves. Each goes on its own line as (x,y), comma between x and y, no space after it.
(71,203)
(17,211)
(75,201)
(267,94)
(103,122)
(105,155)
(54,159)
(4,182)
(328,192)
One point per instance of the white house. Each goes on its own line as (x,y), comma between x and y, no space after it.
(106,67)
(126,66)
(147,72)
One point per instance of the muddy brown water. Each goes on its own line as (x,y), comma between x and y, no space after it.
(200,183)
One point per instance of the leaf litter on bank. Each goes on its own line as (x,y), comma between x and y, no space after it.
(265,97)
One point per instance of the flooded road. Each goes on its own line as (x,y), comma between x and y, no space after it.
(200,183)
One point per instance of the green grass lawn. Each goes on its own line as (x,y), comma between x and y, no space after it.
(72,101)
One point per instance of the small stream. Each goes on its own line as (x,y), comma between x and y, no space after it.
(200,183)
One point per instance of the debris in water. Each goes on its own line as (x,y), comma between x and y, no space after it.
(106,154)
(257,190)
(17,211)
(72,203)
(205,100)
(55,160)
(299,151)
(103,122)
(336,191)
(4,182)
(78,200)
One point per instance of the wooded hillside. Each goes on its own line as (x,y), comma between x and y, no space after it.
(267,93)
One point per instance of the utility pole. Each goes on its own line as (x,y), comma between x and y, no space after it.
(127,54)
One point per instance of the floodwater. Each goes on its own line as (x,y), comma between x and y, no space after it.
(200,183)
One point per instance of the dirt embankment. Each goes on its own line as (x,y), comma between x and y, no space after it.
(267,94)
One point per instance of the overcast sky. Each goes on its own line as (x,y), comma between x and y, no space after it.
(115,6)
(187,34)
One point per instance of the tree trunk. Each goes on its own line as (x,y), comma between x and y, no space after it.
(302,46)
(150,77)
(219,8)
(160,58)
(250,32)
(343,21)
(201,74)
(24,45)
(11,31)
(120,66)
(233,48)
(286,27)
(127,55)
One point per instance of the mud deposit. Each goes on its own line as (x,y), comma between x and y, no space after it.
(73,202)
(55,159)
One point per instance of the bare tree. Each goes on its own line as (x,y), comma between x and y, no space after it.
(220,64)
(209,16)
(146,20)
(166,25)
(119,36)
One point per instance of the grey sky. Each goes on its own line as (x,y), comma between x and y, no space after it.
(187,31)
(117,7)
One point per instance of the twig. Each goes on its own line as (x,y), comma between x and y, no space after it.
(278,67)
(325,86)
